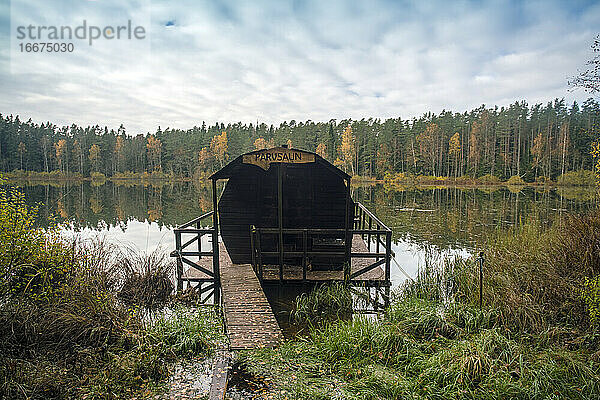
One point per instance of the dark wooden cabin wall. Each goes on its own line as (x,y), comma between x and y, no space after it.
(237,212)
(313,197)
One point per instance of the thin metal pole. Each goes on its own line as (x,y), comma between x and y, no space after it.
(480,262)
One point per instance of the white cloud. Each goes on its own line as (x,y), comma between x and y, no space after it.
(275,61)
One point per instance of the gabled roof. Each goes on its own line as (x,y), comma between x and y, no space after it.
(261,160)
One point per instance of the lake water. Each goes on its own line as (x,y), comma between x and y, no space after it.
(425,221)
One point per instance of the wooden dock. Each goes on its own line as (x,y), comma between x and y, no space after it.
(249,319)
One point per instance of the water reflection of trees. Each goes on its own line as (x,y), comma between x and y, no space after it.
(441,216)
(89,206)
(451,217)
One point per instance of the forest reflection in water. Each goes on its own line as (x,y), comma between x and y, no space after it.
(426,221)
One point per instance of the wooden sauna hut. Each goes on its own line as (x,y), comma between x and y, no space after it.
(279,192)
(289,214)
(284,216)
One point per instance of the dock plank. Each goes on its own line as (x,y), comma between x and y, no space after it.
(249,319)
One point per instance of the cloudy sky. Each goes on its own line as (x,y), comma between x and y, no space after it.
(272,61)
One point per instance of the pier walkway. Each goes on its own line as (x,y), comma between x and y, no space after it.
(249,319)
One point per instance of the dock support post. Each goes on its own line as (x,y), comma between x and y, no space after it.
(304,256)
(259,257)
(280,217)
(348,239)
(179,262)
(215,233)
(388,255)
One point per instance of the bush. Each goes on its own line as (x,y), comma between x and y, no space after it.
(127,175)
(590,293)
(33,262)
(431,180)
(543,180)
(488,179)
(515,180)
(577,178)
(98,176)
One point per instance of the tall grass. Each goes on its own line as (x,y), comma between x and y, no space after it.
(84,341)
(70,325)
(531,339)
(324,303)
(532,276)
(146,278)
(424,349)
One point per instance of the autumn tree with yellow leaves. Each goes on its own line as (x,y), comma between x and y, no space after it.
(454,151)
(321,150)
(119,153)
(204,159)
(95,156)
(347,150)
(154,147)
(218,147)
(261,144)
(60,148)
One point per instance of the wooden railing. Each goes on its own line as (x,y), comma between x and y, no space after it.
(196,230)
(370,227)
(365,224)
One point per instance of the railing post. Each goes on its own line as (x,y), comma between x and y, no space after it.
(362,223)
(369,235)
(198,225)
(179,263)
(258,248)
(304,256)
(388,255)
(252,249)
